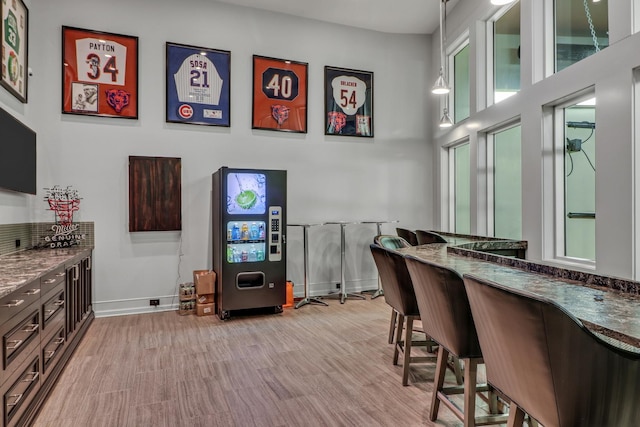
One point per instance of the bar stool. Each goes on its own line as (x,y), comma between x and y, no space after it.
(390,242)
(548,364)
(446,317)
(400,296)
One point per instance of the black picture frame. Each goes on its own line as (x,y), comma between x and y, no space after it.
(14,28)
(348,102)
(198,85)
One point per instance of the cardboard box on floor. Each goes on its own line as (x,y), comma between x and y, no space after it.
(204,309)
(205,281)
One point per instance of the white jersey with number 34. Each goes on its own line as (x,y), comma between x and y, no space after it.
(101,61)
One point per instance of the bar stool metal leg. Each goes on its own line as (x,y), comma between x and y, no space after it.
(307,299)
(343,286)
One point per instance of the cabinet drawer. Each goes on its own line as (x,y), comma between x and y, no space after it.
(52,307)
(52,350)
(18,339)
(21,392)
(51,279)
(18,300)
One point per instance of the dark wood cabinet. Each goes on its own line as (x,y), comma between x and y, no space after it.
(41,324)
(155,195)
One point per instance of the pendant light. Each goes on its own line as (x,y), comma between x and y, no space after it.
(441,87)
(445,121)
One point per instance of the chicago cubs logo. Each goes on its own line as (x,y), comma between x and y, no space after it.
(117,99)
(185,111)
(280,113)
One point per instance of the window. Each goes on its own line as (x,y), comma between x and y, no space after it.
(504,154)
(581,29)
(461,91)
(506,54)
(576,211)
(460,181)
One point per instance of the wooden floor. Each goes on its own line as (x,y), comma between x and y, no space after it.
(314,366)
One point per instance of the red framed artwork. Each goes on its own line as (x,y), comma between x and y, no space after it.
(100,73)
(279,94)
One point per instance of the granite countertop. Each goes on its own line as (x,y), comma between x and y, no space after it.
(20,268)
(608,311)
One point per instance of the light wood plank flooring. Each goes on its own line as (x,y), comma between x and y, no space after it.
(315,366)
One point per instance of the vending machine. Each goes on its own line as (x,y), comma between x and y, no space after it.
(249,239)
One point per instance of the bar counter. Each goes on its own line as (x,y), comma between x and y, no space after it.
(20,268)
(594,299)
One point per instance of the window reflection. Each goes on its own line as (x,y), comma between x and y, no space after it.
(506,54)
(507,184)
(582,29)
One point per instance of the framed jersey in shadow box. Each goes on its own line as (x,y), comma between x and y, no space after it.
(348,97)
(99,73)
(198,85)
(14,30)
(279,94)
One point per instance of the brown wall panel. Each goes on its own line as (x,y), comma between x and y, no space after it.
(155,193)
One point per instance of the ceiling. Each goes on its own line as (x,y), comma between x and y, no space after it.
(398,16)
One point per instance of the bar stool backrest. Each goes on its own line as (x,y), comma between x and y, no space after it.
(390,242)
(425,237)
(444,308)
(549,364)
(408,235)
(395,279)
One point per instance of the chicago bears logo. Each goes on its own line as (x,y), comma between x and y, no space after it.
(337,121)
(280,113)
(117,99)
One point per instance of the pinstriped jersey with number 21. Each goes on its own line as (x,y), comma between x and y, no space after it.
(198,81)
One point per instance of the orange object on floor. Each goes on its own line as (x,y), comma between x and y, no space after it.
(289,299)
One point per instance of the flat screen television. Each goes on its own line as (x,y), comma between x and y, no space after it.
(17,155)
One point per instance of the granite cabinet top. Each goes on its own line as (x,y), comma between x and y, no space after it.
(21,268)
(608,311)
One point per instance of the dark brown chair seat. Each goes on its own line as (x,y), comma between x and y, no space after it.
(549,364)
(408,235)
(446,318)
(425,237)
(398,293)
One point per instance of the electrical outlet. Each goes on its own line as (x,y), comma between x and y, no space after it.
(154,302)
(337,285)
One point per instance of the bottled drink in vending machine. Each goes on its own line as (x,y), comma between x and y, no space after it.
(261,231)
(260,255)
(237,256)
(229,254)
(235,232)
(253,231)
(244,231)
(245,256)
(253,254)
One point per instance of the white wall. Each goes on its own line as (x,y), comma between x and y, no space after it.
(611,73)
(330,178)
